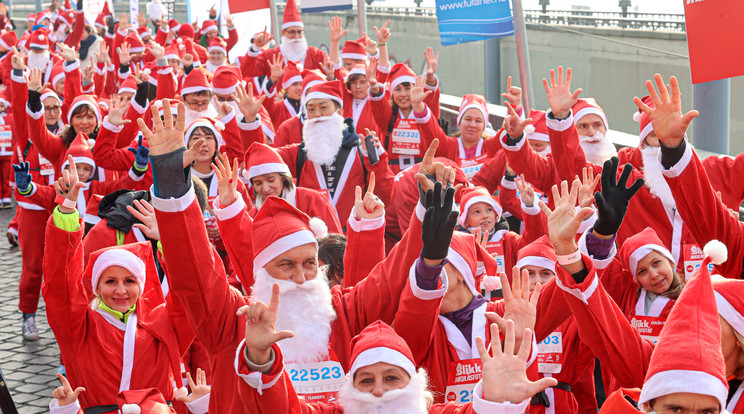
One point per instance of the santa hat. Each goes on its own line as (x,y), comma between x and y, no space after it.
(4,99)
(173,107)
(84,100)
(143,32)
(214,125)
(31,17)
(129,85)
(67,18)
(473,101)
(106,11)
(587,106)
(100,21)
(730,300)
(266,125)
(279,227)
(688,355)
(378,342)
(80,151)
(226,80)
(173,52)
(472,195)
(401,73)
(195,81)
(43,15)
(58,73)
(208,26)
(173,25)
(636,247)
(218,44)
(39,39)
(540,253)
(135,43)
(326,90)
(357,69)
(48,93)
(644,120)
(262,159)
(291,75)
(354,49)
(311,77)
(537,130)
(148,401)
(464,254)
(291,15)
(186,30)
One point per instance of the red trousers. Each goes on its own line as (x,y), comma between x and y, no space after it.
(31,232)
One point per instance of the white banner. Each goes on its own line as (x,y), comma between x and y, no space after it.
(92,8)
(310,6)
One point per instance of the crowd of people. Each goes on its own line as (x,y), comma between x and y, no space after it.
(299,232)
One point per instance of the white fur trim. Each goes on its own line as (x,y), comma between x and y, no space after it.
(558,124)
(282,245)
(716,251)
(427,294)
(92,106)
(292,24)
(34,115)
(173,205)
(249,126)
(582,295)
(193,89)
(513,148)
(125,90)
(532,211)
(224,91)
(401,79)
(463,267)
(55,408)
(481,405)
(72,66)
(130,409)
(591,110)
(134,176)
(119,257)
(420,211)
(642,251)
(729,313)
(365,224)
(382,354)
(289,82)
(267,168)
(226,213)
(379,97)
(425,119)
(537,136)
(537,261)
(318,227)
(111,127)
(200,405)
(480,109)
(80,160)
(599,264)
(676,381)
(18,79)
(511,185)
(530,129)
(205,124)
(322,95)
(254,379)
(488,200)
(646,130)
(354,56)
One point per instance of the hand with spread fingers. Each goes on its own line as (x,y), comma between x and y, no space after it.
(612,202)
(145,213)
(526,192)
(513,124)
(227,179)
(439,222)
(560,97)
(68,186)
(167,136)
(198,389)
(564,221)
(513,94)
(520,306)
(670,125)
(260,328)
(588,183)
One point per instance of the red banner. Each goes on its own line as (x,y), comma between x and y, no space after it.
(239,6)
(714,38)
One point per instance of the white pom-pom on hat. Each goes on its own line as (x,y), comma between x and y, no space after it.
(181,392)
(41,37)
(637,116)
(529,129)
(716,251)
(492,283)
(130,409)
(179,40)
(318,227)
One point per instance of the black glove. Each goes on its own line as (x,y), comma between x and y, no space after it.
(22,176)
(439,222)
(79,5)
(612,202)
(141,154)
(111,23)
(444,124)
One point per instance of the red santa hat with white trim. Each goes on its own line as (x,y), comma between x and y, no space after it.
(67,18)
(262,159)
(644,120)
(226,80)
(636,247)
(218,44)
(39,39)
(357,69)
(378,342)
(472,195)
(84,100)
(354,49)
(195,81)
(473,101)
(730,300)
(688,355)
(58,73)
(537,130)
(186,31)
(291,75)
(173,51)
(465,254)
(44,14)
(208,26)
(100,21)
(4,99)
(135,43)
(144,32)
(106,11)
(80,151)
(540,253)
(311,77)
(400,73)
(586,106)
(173,107)
(173,25)
(217,127)
(292,16)
(148,400)
(48,93)
(9,39)
(326,90)
(31,18)
(129,85)
(279,227)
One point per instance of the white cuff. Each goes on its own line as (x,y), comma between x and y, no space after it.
(360,225)
(111,127)
(483,406)
(229,117)
(137,107)
(513,148)
(532,211)
(54,407)
(383,69)
(252,53)
(432,88)
(598,263)
(18,79)
(72,66)
(173,205)
(254,379)
(382,93)
(226,213)
(559,125)
(200,406)
(420,211)
(426,117)
(680,166)
(427,294)
(508,184)
(249,126)
(34,115)
(578,293)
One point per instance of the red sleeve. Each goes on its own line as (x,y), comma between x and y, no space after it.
(73,85)
(41,195)
(569,159)
(507,193)
(432,101)
(73,39)
(232,137)
(19,96)
(99,79)
(130,130)
(726,174)
(236,228)
(232,38)
(248,63)
(167,83)
(429,128)
(492,145)
(382,112)
(249,133)
(289,156)
(50,146)
(105,152)
(417,317)
(365,248)
(537,170)
(125,181)
(161,37)
(385,187)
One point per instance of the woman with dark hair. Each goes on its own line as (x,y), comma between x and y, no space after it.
(331,253)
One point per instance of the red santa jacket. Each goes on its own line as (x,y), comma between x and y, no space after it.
(314,204)
(289,132)
(257,63)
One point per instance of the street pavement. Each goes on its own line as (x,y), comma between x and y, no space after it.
(29,366)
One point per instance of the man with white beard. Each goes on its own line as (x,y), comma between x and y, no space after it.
(591,125)
(39,56)
(293,47)
(280,242)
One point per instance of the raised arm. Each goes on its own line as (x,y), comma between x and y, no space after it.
(365,237)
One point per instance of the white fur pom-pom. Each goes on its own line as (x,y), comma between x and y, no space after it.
(491,283)
(529,129)
(219,126)
(716,251)
(318,227)
(147,71)
(181,392)
(130,409)
(179,40)
(41,37)
(637,116)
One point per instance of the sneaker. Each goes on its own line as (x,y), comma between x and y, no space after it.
(30,331)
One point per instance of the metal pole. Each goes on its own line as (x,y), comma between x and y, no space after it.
(710,130)
(523,57)
(362,17)
(493,70)
(38,6)
(274,22)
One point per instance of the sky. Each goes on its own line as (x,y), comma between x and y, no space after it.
(643,6)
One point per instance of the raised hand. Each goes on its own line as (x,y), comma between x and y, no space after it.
(64,394)
(68,53)
(145,213)
(327,68)
(564,221)
(141,20)
(670,125)
(372,72)
(118,109)
(16,59)
(612,202)
(260,328)
(35,81)
(560,97)
(431,172)
(88,73)
(513,94)
(68,186)
(336,29)
(439,222)
(157,50)
(227,178)
(249,106)
(22,175)
(481,237)
(229,20)
(103,54)
(418,94)
(588,184)
(198,388)
(370,46)
(223,108)
(432,62)
(369,207)
(276,64)
(526,192)
(168,136)
(262,38)
(504,373)
(513,124)
(383,33)
(141,154)
(192,151)
(124,56)
(187,60)
(519,306)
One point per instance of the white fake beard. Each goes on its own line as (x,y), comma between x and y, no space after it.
(192,115)
(305,309)
(654,178)
(597,152)
(413,398)
(287,194)
(38,60)
(294,49)
(323,137)
(212,68)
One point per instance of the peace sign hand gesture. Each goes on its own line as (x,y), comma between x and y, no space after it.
(513,124)
(260,328)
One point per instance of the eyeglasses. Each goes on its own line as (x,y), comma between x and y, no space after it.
(49,109)
(197,105)
(296,32)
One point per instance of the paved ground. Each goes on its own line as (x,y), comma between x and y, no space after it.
(29,367)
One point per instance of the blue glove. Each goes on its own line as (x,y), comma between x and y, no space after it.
(141,155)
(22,176)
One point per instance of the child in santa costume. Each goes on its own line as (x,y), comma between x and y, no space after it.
(291,85)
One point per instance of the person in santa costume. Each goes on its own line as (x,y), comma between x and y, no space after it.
(6,152)
(196,93)
(291,85)
(130,337)
(290,131)
(293,47)
(217,54)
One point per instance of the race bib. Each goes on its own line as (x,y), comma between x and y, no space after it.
(472,166)
(550,352)
(45,166)
(461,380)
(406,138)
(316,381)
(6,136)
(648,326)
(693,257)
(497,252)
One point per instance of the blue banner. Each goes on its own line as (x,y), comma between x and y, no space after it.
(462,21)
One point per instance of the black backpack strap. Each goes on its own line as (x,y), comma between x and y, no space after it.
(391,125)
(364,167)
(300,162)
